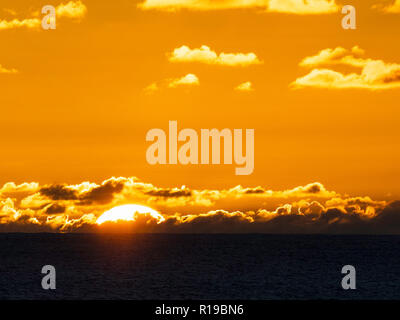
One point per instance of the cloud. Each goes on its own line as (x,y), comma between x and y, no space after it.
(16,23)
(100,194)
(189,79)
(205,55)
(103,193)
(335,56)
(391,8)
(31,207)
(374,74)
(55,208)
(59,192)
(174,192)
(303,7)
(245,86)
(8,71)
(173,5)
(282,6)
(72,9)
(151,88)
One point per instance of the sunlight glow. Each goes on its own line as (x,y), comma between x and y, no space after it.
(128,212)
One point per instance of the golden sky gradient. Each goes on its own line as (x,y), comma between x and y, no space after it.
(77,102)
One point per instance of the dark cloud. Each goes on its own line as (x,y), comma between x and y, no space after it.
(59,192)
(314,188)
(393,77)
(55,208)
(256,190)
(330,221)
(169,193)
(103,193)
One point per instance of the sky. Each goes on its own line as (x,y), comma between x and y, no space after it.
(77,102)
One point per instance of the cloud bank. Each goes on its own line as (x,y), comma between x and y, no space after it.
(31,207)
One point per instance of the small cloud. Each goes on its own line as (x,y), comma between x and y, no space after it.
(205,55)
(374,74)
(245,86)
(392,8)
(151,88)
(9,71)
(189,79)
(336,56)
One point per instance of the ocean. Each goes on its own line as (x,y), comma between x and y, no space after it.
(199,266)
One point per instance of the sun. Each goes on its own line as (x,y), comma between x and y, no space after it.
(128,212)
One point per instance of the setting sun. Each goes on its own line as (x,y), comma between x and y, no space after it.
(128,212)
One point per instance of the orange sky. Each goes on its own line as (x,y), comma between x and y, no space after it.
(77,108)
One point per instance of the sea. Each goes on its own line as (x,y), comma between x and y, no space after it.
(199,266)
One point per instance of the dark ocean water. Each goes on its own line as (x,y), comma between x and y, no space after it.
(159,266)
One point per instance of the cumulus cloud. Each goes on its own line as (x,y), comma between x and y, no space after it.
(245,86)
(31,207)
(205,55)
(72,9)
(188,80)
(374,74)
(283,6)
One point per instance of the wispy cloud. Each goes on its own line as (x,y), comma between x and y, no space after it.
(388,8)
(16,23)
(245,86)
(6,70)
(187,80)
(283,6)
(374,74)
(205,55)
(151,88)
(10,11)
